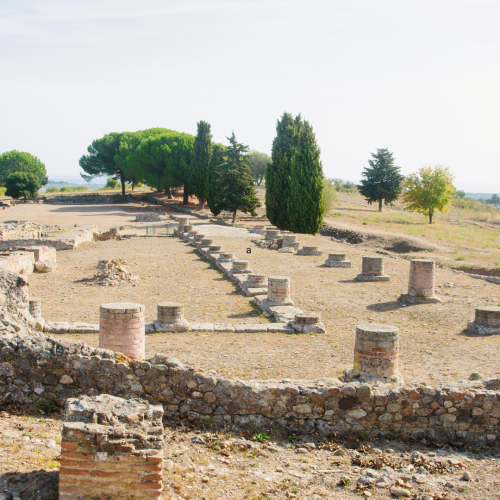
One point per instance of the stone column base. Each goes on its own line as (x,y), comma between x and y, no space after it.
(480,329)
(370,277)
(337,263)
(413,299)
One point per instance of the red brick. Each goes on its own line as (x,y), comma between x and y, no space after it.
(77,454)
(147,486)
(68,480)
(103,473)
(73,472)
(157,459)
(147,467)
(151,477)
(69,445)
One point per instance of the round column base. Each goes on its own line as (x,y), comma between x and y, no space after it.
(338,263)
(481,329)
(414,299)
(372,277)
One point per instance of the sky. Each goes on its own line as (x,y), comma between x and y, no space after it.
(419,77)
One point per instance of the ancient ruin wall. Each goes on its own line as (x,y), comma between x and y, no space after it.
(40,367)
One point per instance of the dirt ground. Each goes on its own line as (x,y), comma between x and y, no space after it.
(237,465)
(432,336)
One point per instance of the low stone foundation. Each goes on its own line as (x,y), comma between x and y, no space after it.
(487,321)
(337,260)
(468,412)
(170,318)
(421,283)
(309,250)
(111,448)
(372,270)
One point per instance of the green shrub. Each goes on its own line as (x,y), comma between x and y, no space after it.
(2,191)
(67,189)
(330,195)
(52,190)
(81,188)
(112,183)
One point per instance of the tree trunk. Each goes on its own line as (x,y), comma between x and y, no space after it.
(380,204)
(185,199)
(234,216)
(122,180)
(201,202)
(168,193)
(430,217)
(133,185)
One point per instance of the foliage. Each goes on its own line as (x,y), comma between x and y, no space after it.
(343,186)
(68,189)
(258,163)
(197,174)
(112,183)
(236,189)
(382,182)
(23,185)
(459,194)
(306,206)
(101,159)
(329,195)
(162,160)
(261,437)
(294,179)
(52,190)
(214,181)
(81,188)
(278,188)
(494,200)
(428,190)
(18,161)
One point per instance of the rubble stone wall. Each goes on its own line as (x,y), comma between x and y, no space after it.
(35,367)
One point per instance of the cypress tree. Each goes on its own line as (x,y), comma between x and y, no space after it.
(214,183)
(382,182)
(198,172)
(306,206)
(278,172)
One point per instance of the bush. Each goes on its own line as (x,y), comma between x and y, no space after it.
(81,188)
(2,191)
(330,195)
(67,189)
(52,190)
(112,183)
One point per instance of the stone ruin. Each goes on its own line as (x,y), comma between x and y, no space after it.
(372,270)
(372,398)
(486,322)
(421,283)
(29,259)
(148,217)
(111,448)
(376,354)
(337,260)
(112,272)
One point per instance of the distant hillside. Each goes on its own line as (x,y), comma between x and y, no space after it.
(476,196)
(60,184)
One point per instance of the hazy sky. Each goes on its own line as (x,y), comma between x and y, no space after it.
(419,77)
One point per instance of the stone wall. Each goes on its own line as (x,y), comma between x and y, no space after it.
(67,240)
(14,230)
(32,368)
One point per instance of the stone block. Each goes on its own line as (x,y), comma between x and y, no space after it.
(111,448)
(250,328)
(201,327)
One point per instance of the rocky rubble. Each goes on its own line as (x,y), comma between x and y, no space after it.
(353,237)
(153,217)
(112,272)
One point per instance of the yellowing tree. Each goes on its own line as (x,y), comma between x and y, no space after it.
(428,190)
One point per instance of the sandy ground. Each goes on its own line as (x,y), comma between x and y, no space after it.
(207,465)
(432,336)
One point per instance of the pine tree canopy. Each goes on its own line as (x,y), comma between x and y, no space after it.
(382,180)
